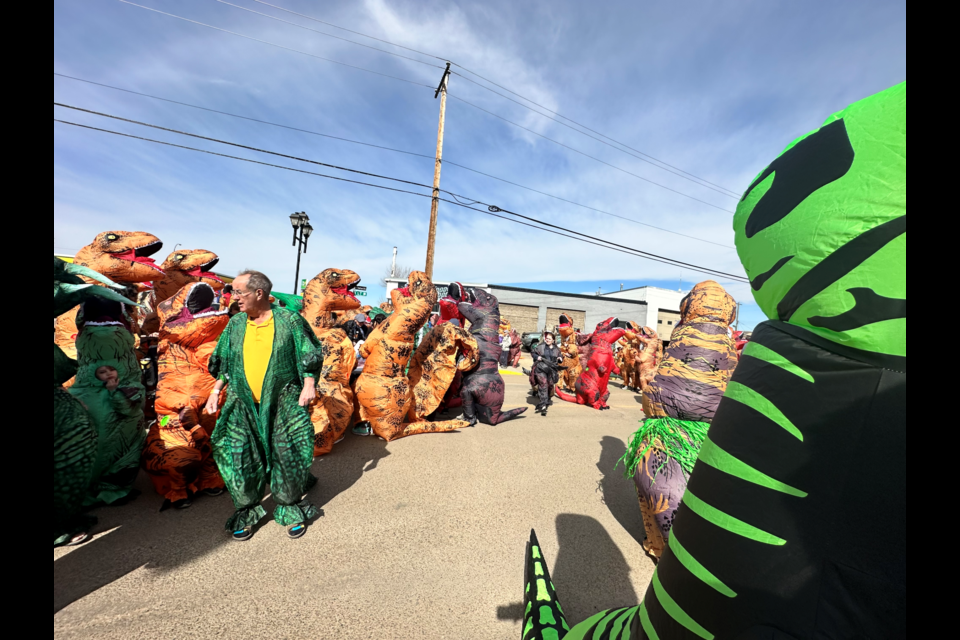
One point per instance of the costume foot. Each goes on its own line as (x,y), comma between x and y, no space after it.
(296,531)
(363,429)
(243,535)
(78,540)
(180,505)
(464,418)
(213,493)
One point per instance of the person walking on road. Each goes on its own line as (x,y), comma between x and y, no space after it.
(547,360)
(268,359)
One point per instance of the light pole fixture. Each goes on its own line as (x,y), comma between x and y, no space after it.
(302,230)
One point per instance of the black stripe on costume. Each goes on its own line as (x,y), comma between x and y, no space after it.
(869,308)
(838,264)
(814,162)
(757,283)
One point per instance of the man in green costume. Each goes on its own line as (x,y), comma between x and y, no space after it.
(267,359)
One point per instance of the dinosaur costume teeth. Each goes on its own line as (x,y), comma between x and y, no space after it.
(592,386)
(178,455)
(794,520)
(327,301)
(384,393)
(483,387)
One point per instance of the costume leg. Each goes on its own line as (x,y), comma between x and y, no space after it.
(469,405)
(543,388)
(242,463)
(660,487)
(292,455)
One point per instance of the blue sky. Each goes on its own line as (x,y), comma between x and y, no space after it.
(716,89)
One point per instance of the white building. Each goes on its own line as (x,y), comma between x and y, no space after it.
(663,307)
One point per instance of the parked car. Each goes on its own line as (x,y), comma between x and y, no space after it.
(531,340)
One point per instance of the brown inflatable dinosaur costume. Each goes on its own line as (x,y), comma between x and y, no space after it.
(121,256)
(327,303)
(180,269)
(571,354)
(383,391)
(447,350)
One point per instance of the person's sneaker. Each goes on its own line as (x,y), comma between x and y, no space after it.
(213,493)
(296,531)
(180,505)
(363,429)
(242,535)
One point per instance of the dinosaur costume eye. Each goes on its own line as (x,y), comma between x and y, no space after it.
(181,258)
(113,237)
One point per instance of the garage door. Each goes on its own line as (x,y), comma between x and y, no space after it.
(579,318)
(523,319)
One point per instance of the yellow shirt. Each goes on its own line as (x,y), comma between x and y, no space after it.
(257,349)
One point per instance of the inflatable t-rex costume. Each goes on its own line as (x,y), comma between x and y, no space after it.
(120,256)
(75,439)
(571,353)
(178,455)
(483,387)
(449,304)
(592,386)
(446,351)
(778,533)
(180,269)
(516,348)
(384,393)
(649,356)
(628,361)
(105,340)
(328,300)
(679,406)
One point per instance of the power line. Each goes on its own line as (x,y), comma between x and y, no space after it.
(492,210)
(410,153)
(273,44)
(329,35)
(586,155)
(430,87)
(665,166)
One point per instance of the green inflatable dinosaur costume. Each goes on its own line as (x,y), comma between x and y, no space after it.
(794,521)
(75,439)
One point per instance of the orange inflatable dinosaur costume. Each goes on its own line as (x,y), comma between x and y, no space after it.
(178,455)
(121,256)
(326,302)
(383,391)
(571,354)
(446,350)
(180,269)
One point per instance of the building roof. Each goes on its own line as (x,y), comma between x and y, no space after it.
(639,288)
(565,295)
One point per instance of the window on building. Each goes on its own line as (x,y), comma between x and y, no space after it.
(670,322)
(659,321)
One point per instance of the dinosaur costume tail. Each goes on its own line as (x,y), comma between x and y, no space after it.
(504,416)
(567,397)
(417,428)
(543,617)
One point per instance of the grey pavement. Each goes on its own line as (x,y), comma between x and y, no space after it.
(421,538)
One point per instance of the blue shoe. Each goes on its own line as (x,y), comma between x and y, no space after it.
(364,429)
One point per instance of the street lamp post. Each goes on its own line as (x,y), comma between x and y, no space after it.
(302,230)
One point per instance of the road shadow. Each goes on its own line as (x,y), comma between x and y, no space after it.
(591,573)
(139,536)
(339,470)
(618,492)
(512,612)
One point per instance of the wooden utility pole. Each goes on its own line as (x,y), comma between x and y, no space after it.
(435,204)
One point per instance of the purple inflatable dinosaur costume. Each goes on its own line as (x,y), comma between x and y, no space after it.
(483,387)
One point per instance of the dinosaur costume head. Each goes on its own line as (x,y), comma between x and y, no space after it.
(708,302)
(412,306)
(189,319)
(183,267)
(122,256)
(330,292)
(483,314)
(608,331)
(69,289)
(823,248)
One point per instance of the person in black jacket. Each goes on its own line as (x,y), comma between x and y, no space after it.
(547,361)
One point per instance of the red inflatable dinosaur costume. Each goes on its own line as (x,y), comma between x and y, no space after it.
(591,387)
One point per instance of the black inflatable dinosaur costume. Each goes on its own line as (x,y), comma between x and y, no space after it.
(794,521)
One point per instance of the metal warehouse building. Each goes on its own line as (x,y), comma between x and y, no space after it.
(531,310)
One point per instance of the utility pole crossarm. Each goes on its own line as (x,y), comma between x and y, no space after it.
(435,203)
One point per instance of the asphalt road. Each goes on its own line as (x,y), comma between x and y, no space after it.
(420,539)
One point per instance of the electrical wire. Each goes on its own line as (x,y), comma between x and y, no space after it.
(586,155)
(273,44)
(329,35)
(410,153)
(492,211)
(474,73)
